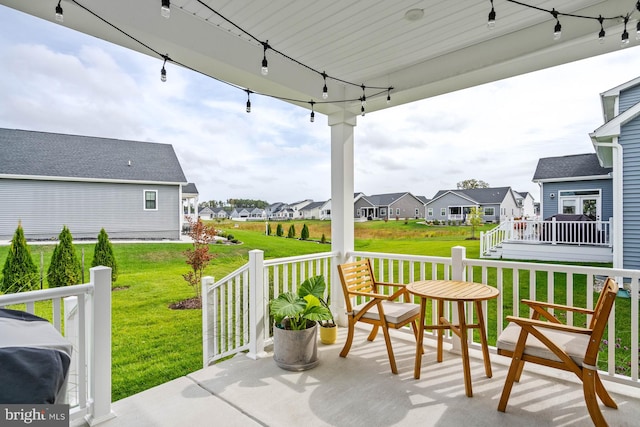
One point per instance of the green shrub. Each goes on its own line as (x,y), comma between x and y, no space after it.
(323,239)
(103,255)
(268,229)
(304,234)
(64,269)
(291,234)
(20,272)
(279,231)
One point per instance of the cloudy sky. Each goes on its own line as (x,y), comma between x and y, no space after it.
(53,79)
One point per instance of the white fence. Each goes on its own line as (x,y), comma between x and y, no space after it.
(257,282)
(87,325)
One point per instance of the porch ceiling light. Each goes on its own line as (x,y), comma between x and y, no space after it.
(491,22)
(59,15)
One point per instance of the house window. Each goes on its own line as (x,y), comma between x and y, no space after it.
(489,212)
(358,213)
(430,211)
(150,200)
(443,211)
(397,211)
(383,212)
(417,212)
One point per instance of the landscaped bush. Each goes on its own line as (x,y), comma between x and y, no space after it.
(304,234)
(279,231)
(292,232)
(64,269)
(103,255)
(19,272)
(268,229)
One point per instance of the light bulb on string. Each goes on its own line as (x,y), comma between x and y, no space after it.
(601,33)
(165,9)
(388,96)
(624,40)
(248,101)
(638,31)
(312,118)
(491,22)
(163,72)
(363,100)
(557,30)
(59,15)
(362,110)
(265,69)
(325,92)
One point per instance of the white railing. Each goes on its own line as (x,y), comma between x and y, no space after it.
(566,284)
(577,233)
(87,325)
(235,315)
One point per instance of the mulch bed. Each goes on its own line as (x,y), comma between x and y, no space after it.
(188,304)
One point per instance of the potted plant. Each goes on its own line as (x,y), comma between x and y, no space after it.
(295,331)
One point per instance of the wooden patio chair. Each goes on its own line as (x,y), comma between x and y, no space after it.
(554,344)
(378,309)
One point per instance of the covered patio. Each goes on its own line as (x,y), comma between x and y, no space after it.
(359,390)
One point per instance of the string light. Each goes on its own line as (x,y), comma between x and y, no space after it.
(491,23)
(265,68)
(59,15)
(165,9)
(624,40)
(601,33)
(325,93)
(163,72)
(557,30)
(638,31)
(248,100)
(388,96)
(312,118)
(362,109)
(363,100)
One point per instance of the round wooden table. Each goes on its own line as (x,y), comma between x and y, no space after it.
(459,292)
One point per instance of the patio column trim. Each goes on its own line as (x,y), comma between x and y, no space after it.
(342,240)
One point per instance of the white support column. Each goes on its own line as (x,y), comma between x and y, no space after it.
(100,354)
(342,214)
(257,305)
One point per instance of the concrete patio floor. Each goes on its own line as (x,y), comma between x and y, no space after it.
(360,390)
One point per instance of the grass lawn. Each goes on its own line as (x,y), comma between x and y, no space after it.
(153,344)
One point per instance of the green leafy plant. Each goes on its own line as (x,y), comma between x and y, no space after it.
(19,272)
(198,256)
(65,268)
(103,254)
(299,310)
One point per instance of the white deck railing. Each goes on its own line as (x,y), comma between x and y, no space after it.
(258,281)
(553,232)
(87,325)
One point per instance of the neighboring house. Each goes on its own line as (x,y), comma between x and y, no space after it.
(273,209)
(220,213)
(297,206)
(206,213)
(240,213)
(388,206)
(527,204)
(617,144)
(190,202)
(497,204)
(257,213)
(312,210)
(575,184)
(132,189)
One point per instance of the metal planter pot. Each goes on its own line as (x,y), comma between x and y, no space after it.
(296,350)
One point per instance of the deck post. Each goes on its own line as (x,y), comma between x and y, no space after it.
(206,330)
(257,304)
(458,255)
(100,347)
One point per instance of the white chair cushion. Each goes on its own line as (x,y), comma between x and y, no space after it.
(394,312)
(575,345)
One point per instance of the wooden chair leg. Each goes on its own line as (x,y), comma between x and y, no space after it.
(519,372)
(373,334)
(347,344)
(392,359)
(414,326)
(589,390)
(603,394)
(508,384)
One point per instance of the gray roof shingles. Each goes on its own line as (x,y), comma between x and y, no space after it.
(43,154)
(494,195)
(577,165)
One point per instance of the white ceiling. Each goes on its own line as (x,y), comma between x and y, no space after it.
(363,42)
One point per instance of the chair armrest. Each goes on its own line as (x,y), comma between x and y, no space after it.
(369,294)
(532,304)
(397,285)
(548,325)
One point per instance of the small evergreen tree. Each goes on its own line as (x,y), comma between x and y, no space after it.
(323,239)
(64,269)
(304,234)
(103,255)
(269,230)
(291,234)
(20,272)
(279,231)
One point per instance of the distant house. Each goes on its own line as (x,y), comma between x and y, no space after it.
(296,207)
(240,213)
(527,204)
(388,206)
(257,213)
(206,213)
(575,184)
(132,189)
(497,204)
(313,210)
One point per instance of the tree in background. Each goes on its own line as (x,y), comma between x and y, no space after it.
(198,256)
(469,184)
(279,231)
(20,272)
(304,234)
(474,217)
(103,255)
(292,232)
(64,269)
